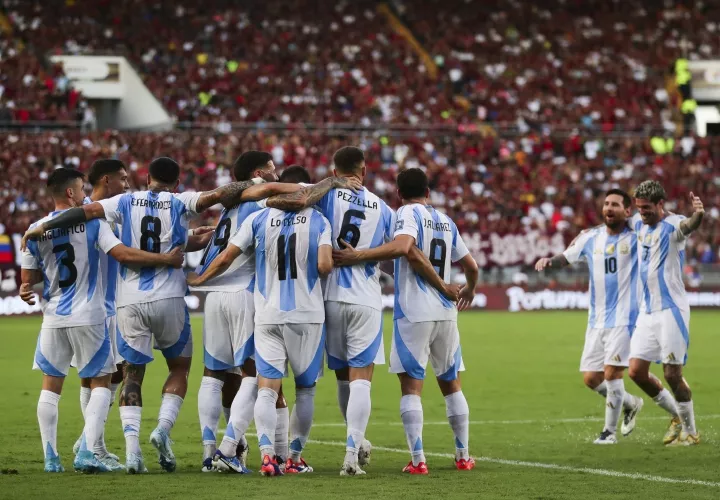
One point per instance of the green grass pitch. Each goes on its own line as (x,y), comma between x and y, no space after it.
(533,424)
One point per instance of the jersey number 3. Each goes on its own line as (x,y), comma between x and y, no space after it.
(68,261)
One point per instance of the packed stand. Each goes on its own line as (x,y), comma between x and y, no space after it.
(302,61)
(487,185)
(564,63)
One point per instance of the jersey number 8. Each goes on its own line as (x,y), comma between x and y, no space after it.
(150,236)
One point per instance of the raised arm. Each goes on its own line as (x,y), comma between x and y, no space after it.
(68,218)
(137,258)
(693,222)
(311,195)
(268,189)
(218,266)
(227,195)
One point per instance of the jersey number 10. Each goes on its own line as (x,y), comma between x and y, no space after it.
(610,265)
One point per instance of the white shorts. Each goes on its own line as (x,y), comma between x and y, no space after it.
(414,343)
(167,321)
(300,345)
(662,336)
(111,325)
(228,329)
(354,335)
(605,347)
(88,345)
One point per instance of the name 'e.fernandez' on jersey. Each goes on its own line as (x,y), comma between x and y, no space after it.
(287,281)
(69,258)
(153,222)
(662,258)
(438,238)
(613,268)
(241,273)
(364,221)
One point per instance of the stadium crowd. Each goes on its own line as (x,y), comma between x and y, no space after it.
(487,185)
(565,63)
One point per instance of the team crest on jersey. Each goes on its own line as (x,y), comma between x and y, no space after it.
(598,251)
(624,248)
(648,238)
(610,249)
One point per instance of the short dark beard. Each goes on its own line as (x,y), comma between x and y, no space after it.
(616,226)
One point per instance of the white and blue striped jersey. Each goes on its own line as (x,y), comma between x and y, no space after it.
(438,238)
(364,221)
(613,268)
(153,222)
(661,255)
(69,258)
(287,281)
(241,273)
(109,271)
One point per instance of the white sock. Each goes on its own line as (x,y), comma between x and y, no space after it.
(84,399)
(602,389)
(411,413)
(113,391)
(95,416)
(343,396)
(241,414)
(687,415)
(266,420)
(130,417)
(169,409)
(301,420)
(281,432)
(614,403)
(458,414)
(209,405)
(47,414)
(358,415)
(226,412)
(666,401)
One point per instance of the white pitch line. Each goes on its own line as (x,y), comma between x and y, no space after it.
(539,465)
(578,420)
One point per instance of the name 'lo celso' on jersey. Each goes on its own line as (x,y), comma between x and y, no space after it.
(153,222)
(287,281)
(364,221)
(613,270)
(437,236)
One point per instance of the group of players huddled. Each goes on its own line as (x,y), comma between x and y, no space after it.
(291,274)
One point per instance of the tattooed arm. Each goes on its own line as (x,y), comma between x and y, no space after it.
(227,195)
(556,262)
(311,195)
(690,224)
(68,218)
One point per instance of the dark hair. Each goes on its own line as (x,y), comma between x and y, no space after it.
(627,201)
(348,159)
(61,177)
(249,162)
(295,174)
(650,190)
(101,168)
(165,170)
(412,183)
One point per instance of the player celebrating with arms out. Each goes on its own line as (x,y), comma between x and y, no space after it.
(610,252)
(425,321)
(663,324)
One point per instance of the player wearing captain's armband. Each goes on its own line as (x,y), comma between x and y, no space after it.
(662,331)
(425,321)
(610,252)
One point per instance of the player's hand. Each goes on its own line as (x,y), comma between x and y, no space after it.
(175,257)
(31,234)
(203,230)
(465,298)
(697,204)
(26,294)
(193,279)
(346,256)
(543,263)
(451,292)
(352,183)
